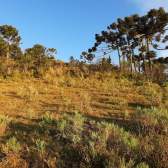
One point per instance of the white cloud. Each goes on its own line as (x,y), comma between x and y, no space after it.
(163,53)
(146,5)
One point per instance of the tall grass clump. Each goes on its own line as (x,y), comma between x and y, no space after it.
(47,124)
(4,122)
(40,146)
(32,94)
(84,100)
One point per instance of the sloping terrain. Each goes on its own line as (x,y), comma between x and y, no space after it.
(34,134)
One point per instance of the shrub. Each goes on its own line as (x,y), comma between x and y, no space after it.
(92,144)
(4,122)
(11,145)
(155,98)
(40,146)
(151,120)
(71,128)
(127,114)
(142,165)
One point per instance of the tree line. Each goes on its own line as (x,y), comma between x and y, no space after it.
(124,36)
(11,55)
(134,32)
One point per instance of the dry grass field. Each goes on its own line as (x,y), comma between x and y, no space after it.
(32,109)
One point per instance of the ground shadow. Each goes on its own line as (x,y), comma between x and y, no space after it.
(128,125)
(138,104)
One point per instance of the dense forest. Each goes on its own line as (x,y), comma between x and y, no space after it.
(87,113)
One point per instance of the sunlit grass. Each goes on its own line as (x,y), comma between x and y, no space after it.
(36,114)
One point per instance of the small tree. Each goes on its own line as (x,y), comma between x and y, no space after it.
(86,56)
(3,47)
(10,35)
(40,55)
(72,60)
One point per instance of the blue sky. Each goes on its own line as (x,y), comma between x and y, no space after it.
(69,25)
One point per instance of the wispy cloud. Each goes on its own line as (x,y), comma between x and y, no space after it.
(163,53)
(146,5)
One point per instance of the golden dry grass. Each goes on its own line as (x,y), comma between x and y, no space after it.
(109,99)
(26,101)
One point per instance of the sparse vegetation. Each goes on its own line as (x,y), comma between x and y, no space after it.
(57,114)
(82,124)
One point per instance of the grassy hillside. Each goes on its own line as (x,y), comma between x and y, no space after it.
(65,120)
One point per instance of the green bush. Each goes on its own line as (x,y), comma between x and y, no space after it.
(93,144)
(40,146)
(11,145)
(151,120)
(142,165)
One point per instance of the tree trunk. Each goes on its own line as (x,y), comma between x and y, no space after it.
(148,49)
(7,54)
(130,52)
(139,61)
(135,66)
(130,58)
(143,57)
(40,62)
(123,62)
(25,68)
(119,57)
(134,60)
(124,58)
